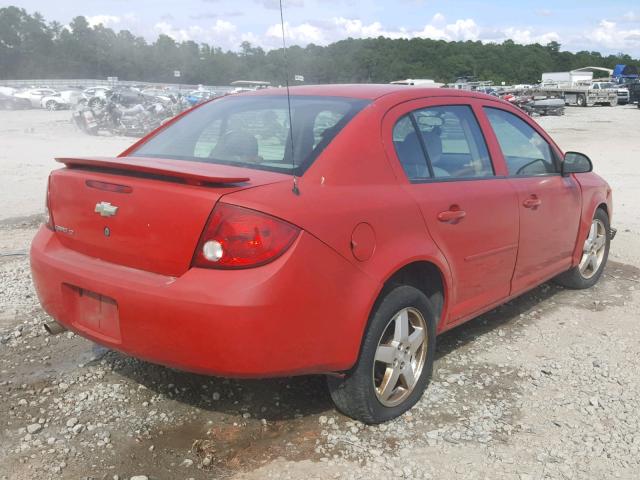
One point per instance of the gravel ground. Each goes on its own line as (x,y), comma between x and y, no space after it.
(545,386)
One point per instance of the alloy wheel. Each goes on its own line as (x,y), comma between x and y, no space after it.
(594,249)
(400,357)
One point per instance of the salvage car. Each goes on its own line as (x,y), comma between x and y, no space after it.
(9,102)
(34,95)
(63,100)
(340,237)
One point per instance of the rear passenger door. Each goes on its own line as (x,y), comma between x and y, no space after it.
(470,213)
(549,203)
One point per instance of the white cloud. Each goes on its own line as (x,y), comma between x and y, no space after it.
(612,37)
(340,27)
(438,18)
(221,33)
(252,38)
(303,33)
(222,27)
(527,36)
(346,27)
(607,35)
(463,30)
(105,20)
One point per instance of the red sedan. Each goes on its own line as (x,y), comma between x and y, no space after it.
(336,234)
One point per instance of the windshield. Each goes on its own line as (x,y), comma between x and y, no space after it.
(254,132)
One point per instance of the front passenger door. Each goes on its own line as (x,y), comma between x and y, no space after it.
(549,203)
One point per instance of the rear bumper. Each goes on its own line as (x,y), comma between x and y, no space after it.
(303,313)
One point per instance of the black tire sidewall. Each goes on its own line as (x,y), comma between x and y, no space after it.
(393,301)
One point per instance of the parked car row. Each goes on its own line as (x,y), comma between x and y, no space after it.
(49,98)
(52,99)
(9,102)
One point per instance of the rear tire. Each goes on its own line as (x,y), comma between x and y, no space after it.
(396,359)
(594,256)
(581,101)
(52,106)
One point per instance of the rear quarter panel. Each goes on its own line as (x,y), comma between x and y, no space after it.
(351,183)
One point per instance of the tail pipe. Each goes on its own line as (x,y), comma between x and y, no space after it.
(54,328)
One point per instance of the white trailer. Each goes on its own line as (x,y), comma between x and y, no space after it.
(419,82)
(576,88)
(572,78)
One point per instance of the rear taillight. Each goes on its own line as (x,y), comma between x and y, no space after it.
(237,237)
(48,217)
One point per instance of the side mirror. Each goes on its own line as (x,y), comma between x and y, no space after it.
(575,162)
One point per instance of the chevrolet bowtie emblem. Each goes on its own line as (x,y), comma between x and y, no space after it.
(105,209)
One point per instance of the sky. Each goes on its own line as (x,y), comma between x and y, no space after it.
(610,26)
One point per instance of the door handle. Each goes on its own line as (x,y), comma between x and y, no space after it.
(452,215)
(532,202)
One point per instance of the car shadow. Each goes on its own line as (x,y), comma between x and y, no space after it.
(294,397)
(272,399)
(503,316)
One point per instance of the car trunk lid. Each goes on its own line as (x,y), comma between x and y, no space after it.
(144,213)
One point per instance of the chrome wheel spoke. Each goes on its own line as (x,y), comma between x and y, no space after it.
(592,233)
(583,261)
(389,383)
(593,249)
(385,354)
(588,243)
(409,377)
(401,332)
(415,340)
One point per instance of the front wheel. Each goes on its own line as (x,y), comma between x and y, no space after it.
(595,252)
(51,105)
(396,359)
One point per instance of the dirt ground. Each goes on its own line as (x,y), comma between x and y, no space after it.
(544,387)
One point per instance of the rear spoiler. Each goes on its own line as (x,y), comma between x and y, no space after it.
(193,173)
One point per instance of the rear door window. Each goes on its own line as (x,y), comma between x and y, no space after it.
(409,151)
(444,142)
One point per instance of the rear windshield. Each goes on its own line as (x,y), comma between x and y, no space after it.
(254,132)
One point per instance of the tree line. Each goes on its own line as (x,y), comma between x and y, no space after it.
(31,47)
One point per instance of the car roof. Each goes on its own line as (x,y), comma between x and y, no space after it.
(371,91)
